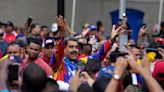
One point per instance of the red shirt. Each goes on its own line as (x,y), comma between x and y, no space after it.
(0,53)
(46,60)
(39,62)
(9,37)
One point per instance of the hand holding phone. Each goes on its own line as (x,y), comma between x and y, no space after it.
(13,71)
(29,20)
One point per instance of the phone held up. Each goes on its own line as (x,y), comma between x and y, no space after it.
(13,71)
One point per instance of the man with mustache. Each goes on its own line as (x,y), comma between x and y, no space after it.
(64,60)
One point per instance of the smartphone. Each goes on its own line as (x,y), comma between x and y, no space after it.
(13,75)
(123,40)
(29,20)
(14,59)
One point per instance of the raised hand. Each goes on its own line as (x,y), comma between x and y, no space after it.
(115,31)
(61,25)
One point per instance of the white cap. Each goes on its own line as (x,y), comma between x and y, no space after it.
(54,27)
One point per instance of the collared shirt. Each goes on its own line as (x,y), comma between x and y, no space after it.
(64,69)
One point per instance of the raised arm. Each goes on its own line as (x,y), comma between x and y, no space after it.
(100,55)
(120,67)
(151,83)
(142,32)
(58,54)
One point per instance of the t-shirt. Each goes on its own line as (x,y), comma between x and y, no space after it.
(39,62)
(0,53)
(9,37)
(3,47)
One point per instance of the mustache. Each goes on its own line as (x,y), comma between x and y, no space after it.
(74,52)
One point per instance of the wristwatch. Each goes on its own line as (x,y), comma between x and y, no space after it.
(116,76)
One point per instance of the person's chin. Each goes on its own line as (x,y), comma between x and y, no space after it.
(73,57)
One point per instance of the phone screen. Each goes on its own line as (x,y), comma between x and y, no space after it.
(123,40)
(13,74)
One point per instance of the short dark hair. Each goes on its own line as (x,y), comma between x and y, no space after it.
(134,46)
(100,84)
(87,49)
(36,41)
(53,84)
(99,23)
(84,87)
(43,27)
(34,79)
(93,65)
(162,24)
(16,43)
(70,39)
(33,26)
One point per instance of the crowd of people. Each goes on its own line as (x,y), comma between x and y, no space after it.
(35,58)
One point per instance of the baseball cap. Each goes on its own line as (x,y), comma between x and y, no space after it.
(92,27)
(22,39)
(159,40)
(9,23)
(54,27)
(158,72)
(49,42)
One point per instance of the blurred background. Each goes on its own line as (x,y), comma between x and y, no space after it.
(87,11)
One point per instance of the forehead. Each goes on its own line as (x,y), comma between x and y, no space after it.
(37,26)
(13,47)
(72,42)
(135,50)
(34,45)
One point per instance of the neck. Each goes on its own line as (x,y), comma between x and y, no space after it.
(71,60)
(31,60)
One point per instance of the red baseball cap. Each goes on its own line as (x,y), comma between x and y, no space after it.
(158,72)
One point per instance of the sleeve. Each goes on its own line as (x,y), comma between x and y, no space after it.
(57,58)
(100,55)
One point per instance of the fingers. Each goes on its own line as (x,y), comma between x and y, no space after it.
(113,27)
(119,28)
(161,51)
(128,49)
(77,73)
(5,63)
